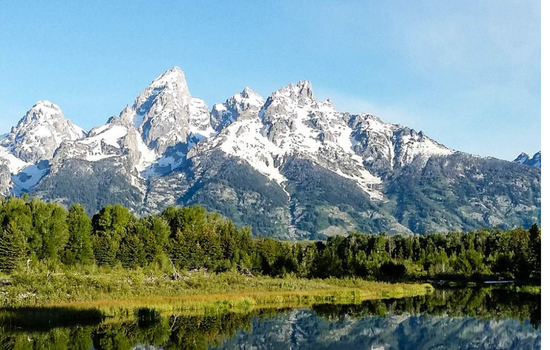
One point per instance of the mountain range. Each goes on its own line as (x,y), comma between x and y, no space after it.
(290,166)
(524,159)
(304,329)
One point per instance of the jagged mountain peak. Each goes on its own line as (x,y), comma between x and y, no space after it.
(522,157)
(42,110)
(293,124)
(172,78)
(247,92)
(246,102)
(301,93)
(169,86)
(305,89)
(40,132)
(525,159)
(165,114)
(126,115)
(245,99)
(249,96)
(385,146)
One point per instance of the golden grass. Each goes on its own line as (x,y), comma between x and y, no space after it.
(120,291)
(246,301)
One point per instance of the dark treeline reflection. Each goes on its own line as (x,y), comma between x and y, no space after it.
(50,331)
(485,303)
(49,328)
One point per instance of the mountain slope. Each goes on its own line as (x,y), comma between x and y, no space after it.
(461,192)
(290,166)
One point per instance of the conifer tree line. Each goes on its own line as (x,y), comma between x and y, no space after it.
(187,238)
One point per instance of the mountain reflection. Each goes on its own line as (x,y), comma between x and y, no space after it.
(461,318)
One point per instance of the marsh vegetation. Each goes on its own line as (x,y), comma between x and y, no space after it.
(451,318)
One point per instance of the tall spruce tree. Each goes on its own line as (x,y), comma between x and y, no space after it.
(131,253)
(110,226)
(79,246)
(12,247)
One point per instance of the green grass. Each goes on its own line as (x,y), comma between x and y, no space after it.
(115,290)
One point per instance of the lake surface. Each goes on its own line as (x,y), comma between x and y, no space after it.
(486,318)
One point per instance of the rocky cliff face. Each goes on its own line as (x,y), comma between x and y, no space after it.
(290,166)
(223,114)
(5,180)
(165,114)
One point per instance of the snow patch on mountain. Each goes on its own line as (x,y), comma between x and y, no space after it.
(384,146)
(244,140)
(116,138)
(28,177)
(413,144)
(13,163)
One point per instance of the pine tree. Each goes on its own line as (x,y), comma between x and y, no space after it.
(55,233)
(104,250)
(131,252)
(179,249)
(17,212)
(12,247)
(79,246)
(109,229)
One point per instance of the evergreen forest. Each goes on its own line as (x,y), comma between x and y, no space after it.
(33,232)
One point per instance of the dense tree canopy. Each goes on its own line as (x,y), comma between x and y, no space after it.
(185,238)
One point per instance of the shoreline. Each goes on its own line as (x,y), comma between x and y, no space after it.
(118,290)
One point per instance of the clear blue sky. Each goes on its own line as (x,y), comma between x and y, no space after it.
(466,73)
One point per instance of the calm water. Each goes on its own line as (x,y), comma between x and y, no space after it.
(447,319)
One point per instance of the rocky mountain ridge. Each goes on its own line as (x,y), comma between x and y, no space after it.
(290,166)
(534,161)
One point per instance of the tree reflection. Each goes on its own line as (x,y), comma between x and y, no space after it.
(64,328)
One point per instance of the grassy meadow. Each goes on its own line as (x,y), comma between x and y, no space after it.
(118,290)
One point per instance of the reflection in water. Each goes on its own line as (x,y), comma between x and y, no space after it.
(450,319)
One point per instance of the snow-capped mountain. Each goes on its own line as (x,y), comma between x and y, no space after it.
(223,114)
(40,132)
(293,123)
(165,114)
(26,150)
(290,166)
(524,159)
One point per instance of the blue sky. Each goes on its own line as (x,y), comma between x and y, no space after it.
(466,73)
